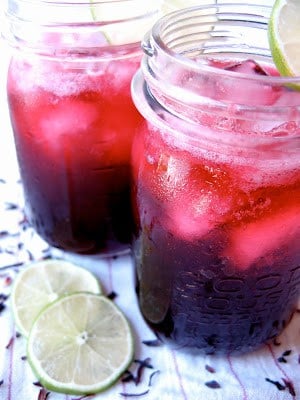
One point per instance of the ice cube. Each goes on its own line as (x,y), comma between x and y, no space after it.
(119,74)
(171,177)
(68,117)
(196,213)
(248,243)
(248,67)
(246,91)
(195,196)
(189,219)
(289,98)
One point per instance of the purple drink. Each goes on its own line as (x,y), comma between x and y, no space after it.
(73,117)
(217,196)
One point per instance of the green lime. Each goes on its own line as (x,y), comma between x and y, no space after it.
(124,22)
(42,283)
(284,36)
(80,344)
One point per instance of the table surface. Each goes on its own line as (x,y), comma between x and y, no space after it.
(174,373)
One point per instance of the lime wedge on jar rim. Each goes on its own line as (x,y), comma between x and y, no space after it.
(133,18)
(41,283)
(284,37)
(80,344)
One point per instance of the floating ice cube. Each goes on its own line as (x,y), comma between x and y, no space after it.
(68,117)
(238,90)
(196,214)
(188,219)
(248,243)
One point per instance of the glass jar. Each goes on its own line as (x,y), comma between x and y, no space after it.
(72,115)
(216,174)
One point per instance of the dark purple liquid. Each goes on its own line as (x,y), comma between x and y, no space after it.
(218,229)
(193,296)
(74,151)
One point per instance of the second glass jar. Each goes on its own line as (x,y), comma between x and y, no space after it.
(73,117)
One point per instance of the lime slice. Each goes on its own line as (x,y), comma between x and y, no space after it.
(284,36)
(133,18)
(43,282)
(80,344)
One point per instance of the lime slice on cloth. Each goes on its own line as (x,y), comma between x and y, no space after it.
(42,283)
(284,36)
(80,344)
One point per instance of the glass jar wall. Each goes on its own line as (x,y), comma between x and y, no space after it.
(72,115)
(216,181)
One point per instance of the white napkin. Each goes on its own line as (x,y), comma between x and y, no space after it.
(271,373)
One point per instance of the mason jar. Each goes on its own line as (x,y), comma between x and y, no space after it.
(72,115)
(216,174)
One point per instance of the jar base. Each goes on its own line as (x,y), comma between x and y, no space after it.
(221,343)
(79,258)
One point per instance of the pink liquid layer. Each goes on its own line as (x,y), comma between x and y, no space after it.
(217,245)
(73,132)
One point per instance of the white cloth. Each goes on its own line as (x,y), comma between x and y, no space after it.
(182,375)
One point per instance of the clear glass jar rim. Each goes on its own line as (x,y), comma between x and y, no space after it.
(77,3)
(193,65)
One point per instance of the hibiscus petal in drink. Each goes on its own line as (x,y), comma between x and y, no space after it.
(248,243)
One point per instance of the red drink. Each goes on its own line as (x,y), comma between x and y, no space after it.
(217,201)
(73,132)
(218,261)
(73,117)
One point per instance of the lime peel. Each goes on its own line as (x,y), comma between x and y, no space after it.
(284,38)
(124,23)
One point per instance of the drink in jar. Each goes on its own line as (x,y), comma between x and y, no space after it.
(216,190)
(73,133)
(73,117)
